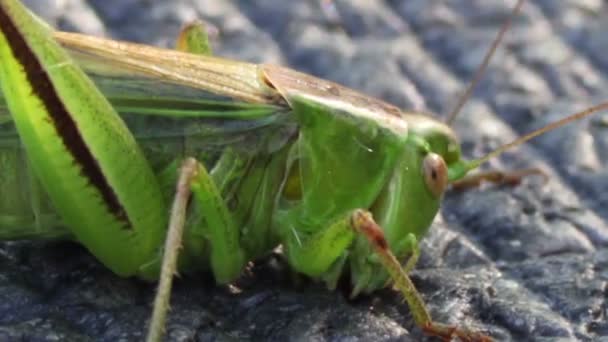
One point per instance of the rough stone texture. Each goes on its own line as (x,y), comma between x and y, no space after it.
(521,263)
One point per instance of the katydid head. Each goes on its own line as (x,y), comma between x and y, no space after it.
(410,198)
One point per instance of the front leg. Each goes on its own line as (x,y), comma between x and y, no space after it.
(315,255)
(363,223)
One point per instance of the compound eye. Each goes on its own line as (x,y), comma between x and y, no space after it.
(435,174)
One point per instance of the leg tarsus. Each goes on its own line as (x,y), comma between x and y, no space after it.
(497,177)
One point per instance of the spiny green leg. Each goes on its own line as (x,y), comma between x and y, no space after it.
(497,177)
(227,257)
(363,223)
(314,255)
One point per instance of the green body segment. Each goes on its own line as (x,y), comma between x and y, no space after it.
(79,148)
(336,154)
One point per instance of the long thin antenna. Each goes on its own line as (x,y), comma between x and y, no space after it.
(486,60)
(576,116)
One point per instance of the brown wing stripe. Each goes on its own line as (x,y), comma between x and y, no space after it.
(63,122)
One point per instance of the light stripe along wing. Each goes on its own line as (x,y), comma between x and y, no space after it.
(235,79)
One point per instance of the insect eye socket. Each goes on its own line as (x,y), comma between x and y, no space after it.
(435,174)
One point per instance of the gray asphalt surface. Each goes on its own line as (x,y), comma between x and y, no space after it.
(525,263)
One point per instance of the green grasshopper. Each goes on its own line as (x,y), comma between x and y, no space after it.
(253,156)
